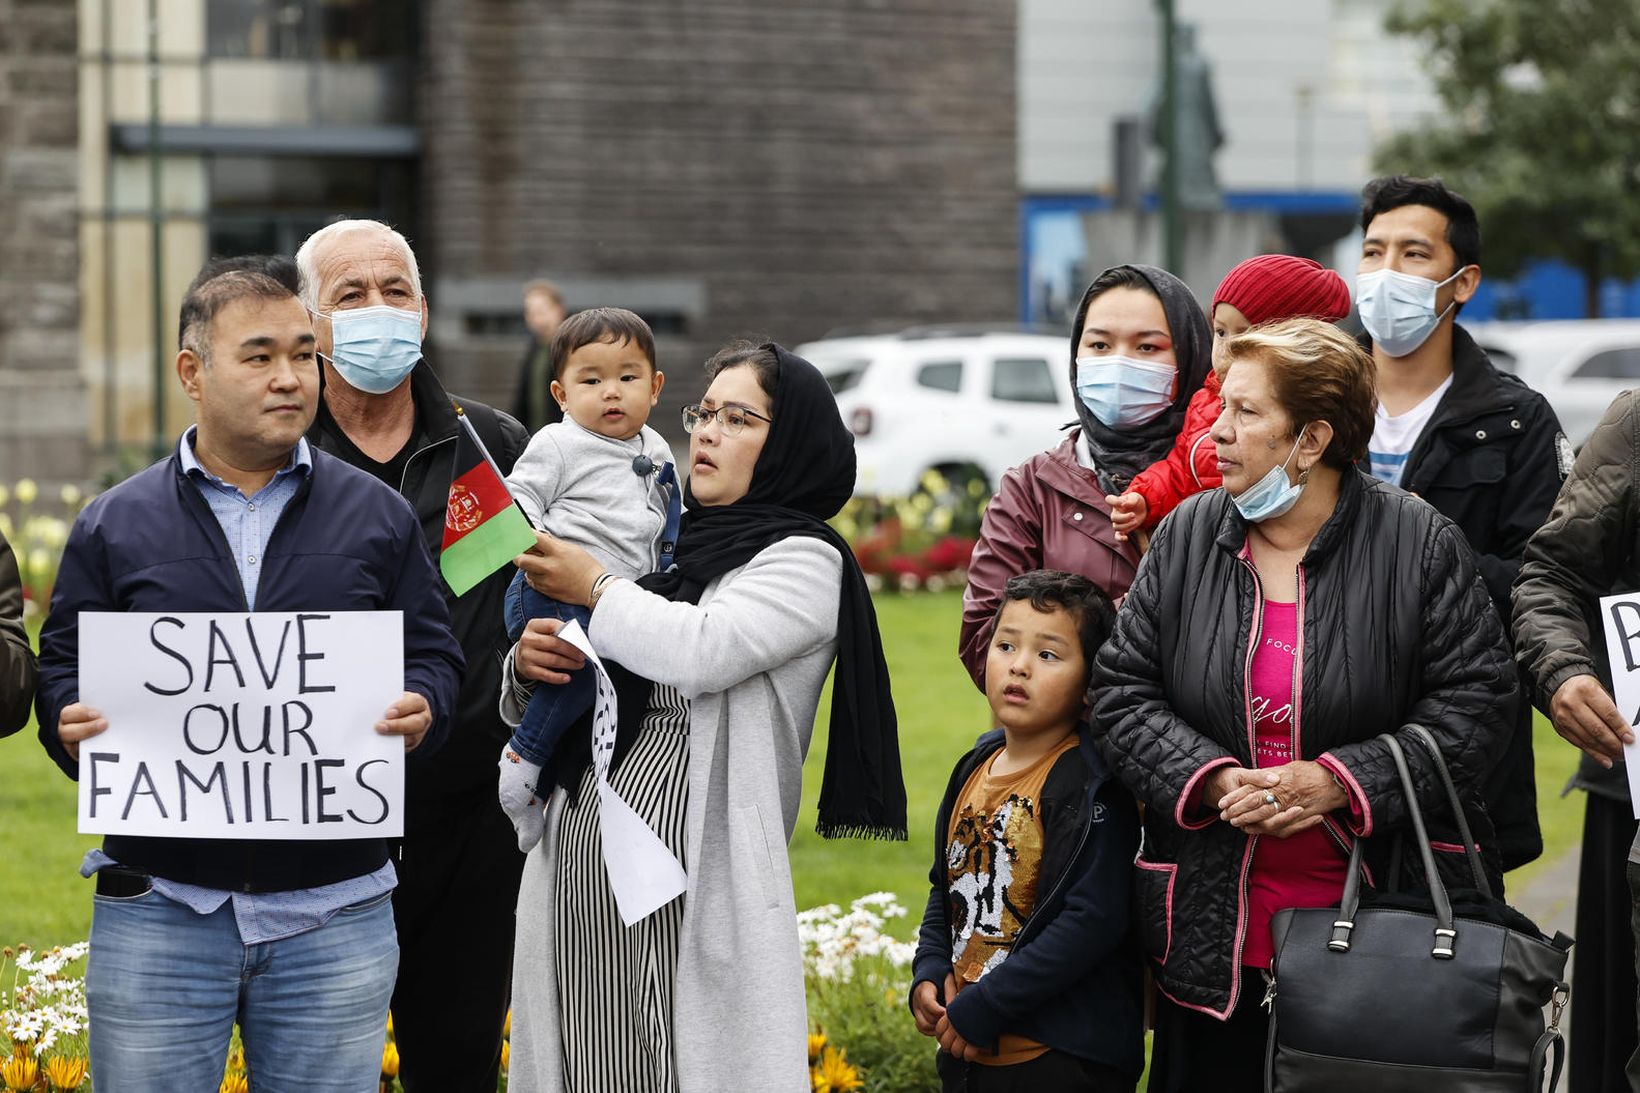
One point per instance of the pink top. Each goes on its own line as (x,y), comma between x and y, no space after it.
(1308,869)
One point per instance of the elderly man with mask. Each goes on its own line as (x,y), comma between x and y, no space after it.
(292,939)
(384,411)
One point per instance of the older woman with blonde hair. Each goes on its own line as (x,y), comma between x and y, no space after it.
(1276,628)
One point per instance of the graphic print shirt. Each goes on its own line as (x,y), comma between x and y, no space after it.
(993,858)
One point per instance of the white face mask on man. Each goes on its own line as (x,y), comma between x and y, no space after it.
(1398,309)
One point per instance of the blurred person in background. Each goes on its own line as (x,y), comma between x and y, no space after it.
(18,670)
(1140,348)
(1259,290)
(1278,626)
(1477,443)
(543,311)
(1591,548)
(384,411)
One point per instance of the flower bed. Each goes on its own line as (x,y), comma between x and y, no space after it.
(924,541)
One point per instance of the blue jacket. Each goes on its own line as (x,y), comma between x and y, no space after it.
(1073,979)
(345,542)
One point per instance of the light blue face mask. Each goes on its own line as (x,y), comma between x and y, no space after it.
(1272,495)
(374,348)
(1122,392)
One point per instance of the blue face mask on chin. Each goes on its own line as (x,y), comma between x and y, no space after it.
(1122,392)
(374,348)
(1272,495)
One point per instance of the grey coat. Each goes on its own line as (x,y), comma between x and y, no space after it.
(751,658)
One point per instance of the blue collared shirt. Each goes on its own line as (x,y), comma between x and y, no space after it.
(248,523)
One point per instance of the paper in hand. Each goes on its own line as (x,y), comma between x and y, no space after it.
(1621,615)
(643,874)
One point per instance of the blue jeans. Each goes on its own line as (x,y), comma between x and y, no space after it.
(552,710)
(165,986)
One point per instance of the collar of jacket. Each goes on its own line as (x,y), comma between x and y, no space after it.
(1061,471)
(435,414)
(989,743)
(1477,386)
(1353,484)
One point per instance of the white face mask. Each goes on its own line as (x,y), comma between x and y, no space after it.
(1398,309)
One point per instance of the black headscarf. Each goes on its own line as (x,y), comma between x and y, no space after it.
(1118,455)
(802,477)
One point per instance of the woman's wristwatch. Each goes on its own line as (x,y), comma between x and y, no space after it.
(598,587)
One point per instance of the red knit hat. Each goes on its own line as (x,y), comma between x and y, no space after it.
(1280,286)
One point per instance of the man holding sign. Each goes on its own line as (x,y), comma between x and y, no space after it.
(237,690)
(1577,634)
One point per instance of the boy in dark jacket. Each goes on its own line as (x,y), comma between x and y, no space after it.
(1023,971)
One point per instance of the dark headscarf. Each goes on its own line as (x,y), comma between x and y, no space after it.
(1118,455)
(802,477)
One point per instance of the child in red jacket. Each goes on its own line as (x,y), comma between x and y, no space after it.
(1259,290)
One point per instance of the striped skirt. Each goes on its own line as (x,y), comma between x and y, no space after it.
(615,984)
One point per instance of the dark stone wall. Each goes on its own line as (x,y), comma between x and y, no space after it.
(810,163)
(42,397)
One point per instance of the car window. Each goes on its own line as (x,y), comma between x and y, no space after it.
(940,375)
(1024,379)
(1622,363)
(843,375)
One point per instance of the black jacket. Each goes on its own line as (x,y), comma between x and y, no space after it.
(18,670)
(343,543)
(1490,461)
(521,394)
(1589,548)
(1395,627)
(466,765)
(1072,980)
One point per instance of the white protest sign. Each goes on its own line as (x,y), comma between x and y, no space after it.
(644,875)
(1622,618)
(242,726)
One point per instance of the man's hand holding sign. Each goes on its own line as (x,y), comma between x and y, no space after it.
(1582,711)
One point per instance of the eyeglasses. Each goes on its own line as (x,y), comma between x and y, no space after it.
(731,419)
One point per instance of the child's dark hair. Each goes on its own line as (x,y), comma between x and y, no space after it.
(600,324)
(1463,228)
(1051,588)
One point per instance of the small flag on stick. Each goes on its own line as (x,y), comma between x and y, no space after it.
(483,529)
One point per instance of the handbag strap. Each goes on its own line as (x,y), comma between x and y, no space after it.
(1470,849)
(1445,933)
(1551,1043)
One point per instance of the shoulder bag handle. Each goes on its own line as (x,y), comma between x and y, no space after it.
(1445,934)
(1470,849)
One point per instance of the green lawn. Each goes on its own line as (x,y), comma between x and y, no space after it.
(43,901)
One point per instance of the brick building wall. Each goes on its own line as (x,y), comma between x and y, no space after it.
(42,395)
(753,166)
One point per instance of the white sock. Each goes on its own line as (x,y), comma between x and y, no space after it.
(516,789)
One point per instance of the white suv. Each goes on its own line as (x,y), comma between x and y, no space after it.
(946,399)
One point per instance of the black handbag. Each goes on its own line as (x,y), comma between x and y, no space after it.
(1403,996)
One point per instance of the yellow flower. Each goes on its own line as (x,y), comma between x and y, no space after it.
(390,1021)
(70,495)
(27,491)
(817,1044)
(506,1029)
(234,1083)
(506,1055)
(390,1060)
(66,1073)
(236,1058)
(834,1074)
(19,1072)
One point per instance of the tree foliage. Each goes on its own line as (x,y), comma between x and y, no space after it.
(1541,128)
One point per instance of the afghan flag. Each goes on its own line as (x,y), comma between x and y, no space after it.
(483,529)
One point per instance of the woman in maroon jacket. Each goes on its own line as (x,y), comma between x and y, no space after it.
(1140,347)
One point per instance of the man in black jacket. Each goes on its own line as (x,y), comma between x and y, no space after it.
(18,670)
(1477,443)
(385,412)
(533,404)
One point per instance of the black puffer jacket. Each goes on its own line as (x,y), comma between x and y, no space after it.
(1395,627)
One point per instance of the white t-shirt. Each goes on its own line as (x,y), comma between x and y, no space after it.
(1393,437)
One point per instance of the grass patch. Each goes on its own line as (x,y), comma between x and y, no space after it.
(44,901)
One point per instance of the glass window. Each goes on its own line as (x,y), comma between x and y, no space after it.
(269,204)
(311,30)
(1612,364)
(843,375)
(1023,380)
(940,375)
